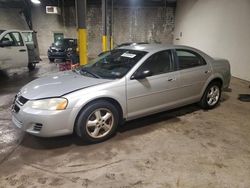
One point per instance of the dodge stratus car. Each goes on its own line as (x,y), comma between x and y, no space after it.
(125,84)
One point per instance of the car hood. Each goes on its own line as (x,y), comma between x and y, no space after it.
(58,84)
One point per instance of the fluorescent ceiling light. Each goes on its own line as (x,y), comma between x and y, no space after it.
(37,2)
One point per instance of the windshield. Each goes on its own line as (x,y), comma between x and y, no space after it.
(112,65)
(58,43)
(65,43)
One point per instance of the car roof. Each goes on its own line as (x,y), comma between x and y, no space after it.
(154,47)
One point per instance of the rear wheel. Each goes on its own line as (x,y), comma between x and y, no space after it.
(31,66)
(211,96)
(97,122)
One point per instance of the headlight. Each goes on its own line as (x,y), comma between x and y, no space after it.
(49,104)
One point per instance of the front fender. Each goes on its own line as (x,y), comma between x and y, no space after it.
(77,103)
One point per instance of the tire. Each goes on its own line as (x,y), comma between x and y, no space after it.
(97,122)
(31,66)
(211,96)
(51,59)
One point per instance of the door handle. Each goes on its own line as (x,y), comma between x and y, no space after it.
(171,79)
(22,50)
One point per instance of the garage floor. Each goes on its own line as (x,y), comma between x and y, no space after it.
(187,147)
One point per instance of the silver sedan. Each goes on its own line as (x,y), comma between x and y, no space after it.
(124,84)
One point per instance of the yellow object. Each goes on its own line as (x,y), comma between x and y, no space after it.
(104,43)
(82,45)
(111,43)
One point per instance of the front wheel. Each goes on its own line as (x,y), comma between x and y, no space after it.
(211,96)
(31,66)
(97,122)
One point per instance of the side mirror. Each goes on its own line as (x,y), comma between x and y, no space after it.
(141,75)
(5,43)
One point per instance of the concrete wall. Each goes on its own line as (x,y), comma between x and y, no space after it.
(221,28)
(11,19)
(144,24)
(138,24)
(48,24)
(130,24)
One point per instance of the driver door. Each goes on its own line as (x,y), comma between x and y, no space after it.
(156,92)
(14,55)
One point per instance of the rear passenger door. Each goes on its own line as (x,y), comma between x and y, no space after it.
(194,72)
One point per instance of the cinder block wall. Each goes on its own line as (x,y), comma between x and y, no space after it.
(11,19)
(48,24)
(144,24)
(152,24)
(130,24)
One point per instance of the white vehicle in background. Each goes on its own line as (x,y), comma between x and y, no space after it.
(18,49)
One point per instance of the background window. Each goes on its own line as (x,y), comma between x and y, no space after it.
(58,37)
(158,63)
(188,59)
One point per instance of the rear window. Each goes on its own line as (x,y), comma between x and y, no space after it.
(189,59)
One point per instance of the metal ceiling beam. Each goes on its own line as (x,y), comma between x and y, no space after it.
(119,3)
(27,13)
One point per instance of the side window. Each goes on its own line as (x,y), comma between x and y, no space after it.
(158,63)
(8,37)
(15,39)
(188,59)
(28,38)
(18,39)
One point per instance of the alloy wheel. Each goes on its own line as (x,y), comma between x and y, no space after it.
(213,95)
(99,123)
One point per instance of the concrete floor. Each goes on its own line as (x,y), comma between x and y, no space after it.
(187,147)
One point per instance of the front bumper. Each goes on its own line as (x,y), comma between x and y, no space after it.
(43,123)
(57,55)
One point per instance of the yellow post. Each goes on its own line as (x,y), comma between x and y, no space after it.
(104,26)
(82,31)
(104,43)
(82,43)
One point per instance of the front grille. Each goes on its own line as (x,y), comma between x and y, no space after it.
(21,100)
(37,127)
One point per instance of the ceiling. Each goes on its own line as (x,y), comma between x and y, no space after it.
(127,3)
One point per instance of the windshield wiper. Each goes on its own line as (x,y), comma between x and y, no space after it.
(89,72)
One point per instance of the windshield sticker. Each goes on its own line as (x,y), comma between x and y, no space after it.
(128,55)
